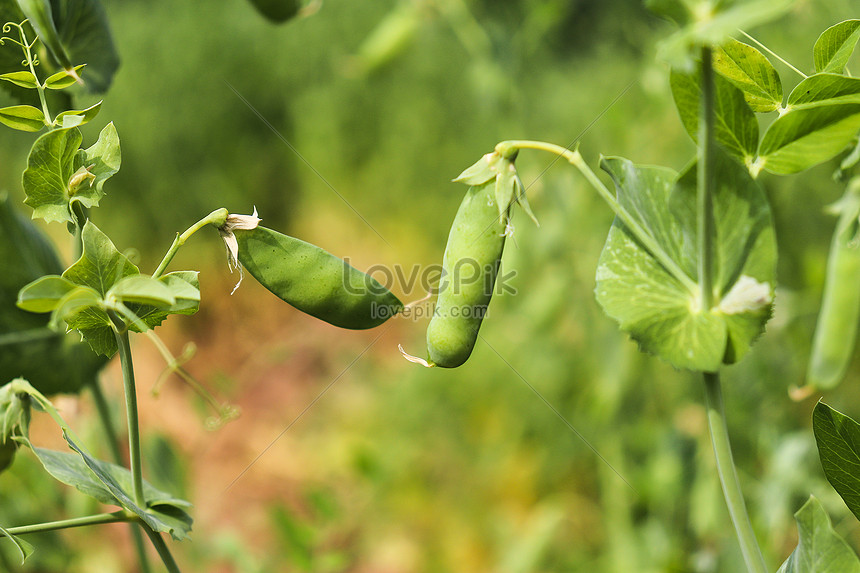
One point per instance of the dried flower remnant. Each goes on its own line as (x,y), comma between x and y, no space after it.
(233,222)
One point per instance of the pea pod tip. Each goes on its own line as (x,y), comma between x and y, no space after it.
(414,359)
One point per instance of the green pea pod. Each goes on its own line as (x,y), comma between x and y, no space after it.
(836,331)
(315,281)
(277,11)
(470,264)
(39,13)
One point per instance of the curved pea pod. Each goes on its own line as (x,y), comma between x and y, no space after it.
(315,281)
(836,331)
(470,264)
(277,11)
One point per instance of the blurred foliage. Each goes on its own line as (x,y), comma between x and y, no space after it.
(465,470)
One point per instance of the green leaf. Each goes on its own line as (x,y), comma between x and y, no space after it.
(99,268)
(752,73)
(824,90)
(103,160)
(142,290)
(819,547)
(85,32)
(835,45)
(23,79)
(25,548)
(82,301)
(803,138)
(713,29)
(63,78)
(49,168)
(74,118)
(650,302)
(39,13)
(53,362)
(44,294)
(735,124)
(838,440)
(185,288)
(100,265)
(111,484)
(22,118)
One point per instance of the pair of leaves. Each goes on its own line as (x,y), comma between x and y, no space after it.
(654,296)
(821,117)
(53,361)
(104,282)
(32,119)
(59,172)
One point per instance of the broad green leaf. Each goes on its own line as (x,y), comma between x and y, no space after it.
(824,90)
(752,73)
(63,78)
(25,548)
(651,302)
(85,32)
(52,361)
(835,45)
(713,29)
(836,329)
(735,124)
(103,160)
(819,547)
(803,138)
(23,79)
(22,118)
(78,302)
(44,294)
(838,439)
(39,13)
(49,168)
(74,118)
(142,289)
(100,265)
(112,485)
(184,287)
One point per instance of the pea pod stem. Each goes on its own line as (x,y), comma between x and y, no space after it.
(97,519)
(216,217)
(728,475)
(575,158)
(163,551)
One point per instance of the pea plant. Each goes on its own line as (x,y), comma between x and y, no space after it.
(688,269)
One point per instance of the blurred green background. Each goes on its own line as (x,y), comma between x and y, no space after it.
(370,109)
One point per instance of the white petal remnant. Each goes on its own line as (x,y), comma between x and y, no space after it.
(233,222)
(747,295)
(414,359)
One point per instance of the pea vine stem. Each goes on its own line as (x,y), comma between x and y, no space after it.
(121,333)
(728,475)
(98,519)
(705,184)
(575,158)
(216,217)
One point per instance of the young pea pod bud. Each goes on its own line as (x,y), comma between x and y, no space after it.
(470,264)
(313,280)
(836,331)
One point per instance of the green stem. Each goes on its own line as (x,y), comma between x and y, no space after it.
(216,217)
(98,519)
(575,159)
(121,333)
(163,551)
(80,215)
(728,476)
(28,52)
(113,444)
(705,184)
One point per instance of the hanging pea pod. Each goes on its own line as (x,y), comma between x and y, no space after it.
(470,264)
(313,280)
(836,331)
